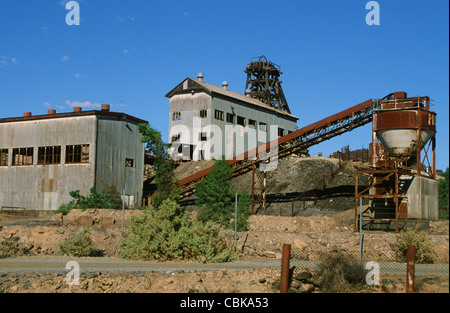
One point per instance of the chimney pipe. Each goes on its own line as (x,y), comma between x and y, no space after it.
(105,107)
(248,92)
(77,109)
(51,111)
(200,77)
(27,114)
(225,85)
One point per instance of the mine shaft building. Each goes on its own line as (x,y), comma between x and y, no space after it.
(208,121)
(44,157)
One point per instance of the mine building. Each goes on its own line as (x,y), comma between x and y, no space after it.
(45,157)
(208,121)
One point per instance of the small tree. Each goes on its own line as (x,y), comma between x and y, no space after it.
(243,210)
(166,184)
(215,195)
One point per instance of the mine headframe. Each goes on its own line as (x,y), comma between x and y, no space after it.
(263,84)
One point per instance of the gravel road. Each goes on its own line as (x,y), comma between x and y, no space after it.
(58,265)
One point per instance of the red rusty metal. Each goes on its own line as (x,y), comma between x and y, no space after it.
(251,156)
(284,281)
(410,269)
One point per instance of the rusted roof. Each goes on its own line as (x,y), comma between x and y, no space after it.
(73,114)
(196,85)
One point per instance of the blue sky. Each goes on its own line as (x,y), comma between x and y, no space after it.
(129,54)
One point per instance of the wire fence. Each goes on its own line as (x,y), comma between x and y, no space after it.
(436,264)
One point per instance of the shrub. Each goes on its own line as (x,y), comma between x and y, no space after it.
(79,245)
(167,233)
(339,272)
(109,198)
(7,249)
(420,240)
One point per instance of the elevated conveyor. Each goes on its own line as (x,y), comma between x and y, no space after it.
(303,138)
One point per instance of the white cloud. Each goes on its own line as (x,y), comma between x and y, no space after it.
(85,104)
(125,51)
(48,105)
(131,18)
(7,60)
(78,75)
(65,58)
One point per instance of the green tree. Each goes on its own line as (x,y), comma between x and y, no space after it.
(444,195)
(215,195)
(166,183)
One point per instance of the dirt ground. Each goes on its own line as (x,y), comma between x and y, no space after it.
(311,234)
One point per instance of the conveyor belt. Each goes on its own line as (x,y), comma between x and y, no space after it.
(305,137)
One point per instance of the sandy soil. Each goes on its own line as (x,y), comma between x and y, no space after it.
(310,234)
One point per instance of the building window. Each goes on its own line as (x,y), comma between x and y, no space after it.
(49,155)
(280,132)
(176,137)
(22,156)
(262,126)
(252,123)
(218,115)
(129,162)
(77,154)
(230,118)
(3,157)
(176,116)
(241,120)
(203,136)
(203,113)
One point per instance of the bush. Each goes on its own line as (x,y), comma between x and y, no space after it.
(79,245)
(339,272)
(167,233)
(444,196)
(420,240)
(7,249)
(109,198)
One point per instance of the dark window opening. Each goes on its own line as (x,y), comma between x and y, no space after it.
(3,157)
(262,126)
(230,118)
(218,115)
(241,120)
(77,154)
(49,155)
(129,162)
(203,113)
(203,136)
(252,123)
(22,156)
(176,116)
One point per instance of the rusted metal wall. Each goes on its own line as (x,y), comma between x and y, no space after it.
(46,187)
